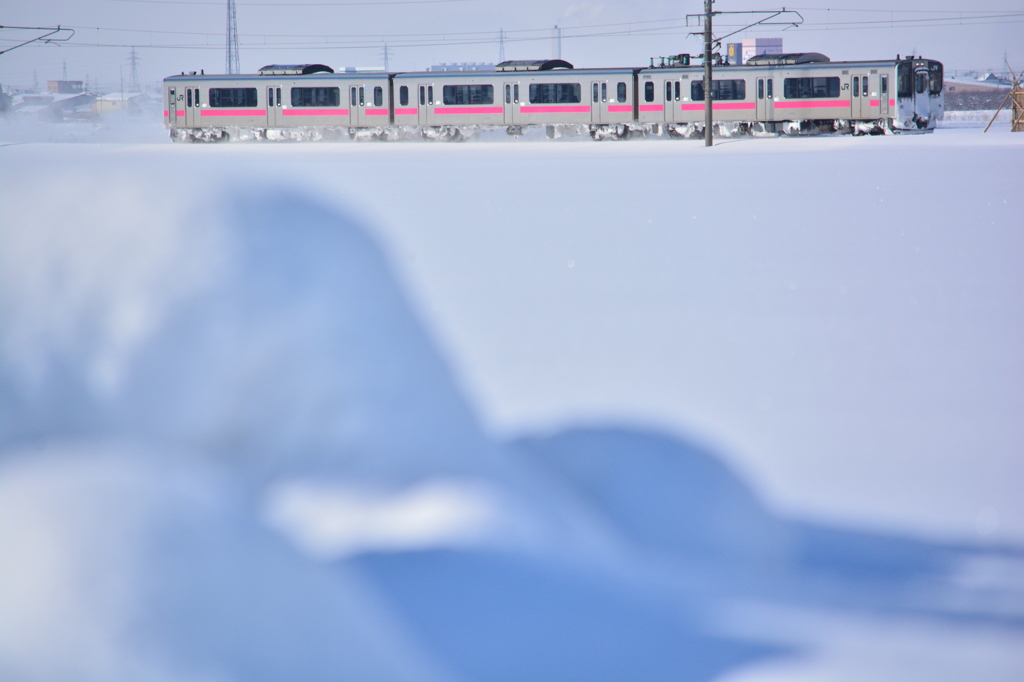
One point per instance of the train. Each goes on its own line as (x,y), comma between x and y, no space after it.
(797,93)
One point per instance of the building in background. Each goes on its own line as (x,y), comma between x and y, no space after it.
(66,87)
(462,66)
(755,46)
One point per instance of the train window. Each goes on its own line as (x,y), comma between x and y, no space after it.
(648,91)
(677,91)
(515,93)
(197,97)
(403,95)
(316,97)
(760,88)
(232,97)
(809,88)
(188,96)
(555,93)
(864,86)
(362,96)
(430,94)
(270,97)
(920,82)
(278,96)
(508,94)
(423,97)
(935,77)
(770,82)
(905,79)
(594,95)
(604,92)
(621,92)
(668,91)
(720,90)
(856,86)
(378,96)
(885,84)
(352,97)
(468,94)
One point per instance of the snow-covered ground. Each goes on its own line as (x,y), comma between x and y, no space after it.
(512,409)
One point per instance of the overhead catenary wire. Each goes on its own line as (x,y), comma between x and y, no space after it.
(674,26)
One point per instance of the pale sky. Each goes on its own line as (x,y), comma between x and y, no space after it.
(186,35)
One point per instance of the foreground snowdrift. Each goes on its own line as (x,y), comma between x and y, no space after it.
(230,452)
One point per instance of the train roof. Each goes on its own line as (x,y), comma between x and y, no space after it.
(320,71)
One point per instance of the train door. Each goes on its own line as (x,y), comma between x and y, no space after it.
(275,117)
(172,106)
(762,99)
(883,95)
(927,83)
(860,103)
(357,105)
(677,102)
(192,107)
(598,101)
(511,103)
(670,107)
(426,105)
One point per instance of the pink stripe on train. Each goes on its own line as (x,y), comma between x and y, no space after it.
(315,112)
(556,109)
(719,106)
(232,112)
(468,110)
(813,104)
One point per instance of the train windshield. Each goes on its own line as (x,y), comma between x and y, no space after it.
(905,80)
(934,78)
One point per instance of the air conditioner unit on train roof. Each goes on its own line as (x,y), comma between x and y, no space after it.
(790,58)
(533,65)
(294,69)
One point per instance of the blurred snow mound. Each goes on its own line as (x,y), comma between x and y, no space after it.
(120,566)
(661,493)
(255,325)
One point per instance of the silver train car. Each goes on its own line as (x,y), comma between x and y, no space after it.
(789,94)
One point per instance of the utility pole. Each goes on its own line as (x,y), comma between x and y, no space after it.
(231,61)
(386,53)
(708,94)
(501,45)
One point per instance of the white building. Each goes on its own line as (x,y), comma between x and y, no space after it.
(756,46)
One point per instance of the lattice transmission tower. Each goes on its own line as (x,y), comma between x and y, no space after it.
(133,79)
(231,61)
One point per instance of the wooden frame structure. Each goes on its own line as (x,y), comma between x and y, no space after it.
(1016,97)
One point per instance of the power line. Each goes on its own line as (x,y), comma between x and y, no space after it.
(374,42)
(295,4)
(976,19)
